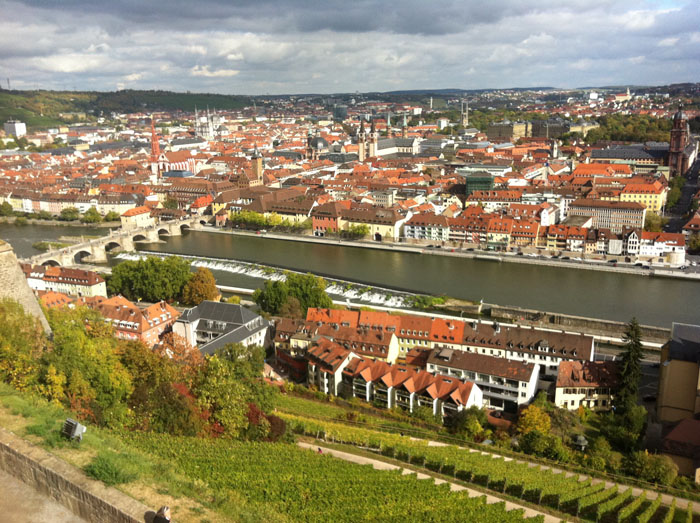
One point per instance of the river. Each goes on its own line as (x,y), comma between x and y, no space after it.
(597,294)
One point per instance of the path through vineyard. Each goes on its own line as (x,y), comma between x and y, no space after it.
(382,465)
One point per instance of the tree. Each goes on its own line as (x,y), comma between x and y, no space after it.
(84,350)
(310,290)
(469,422)
(112,216)
(160,401)
(200,287)
(272,296)
(630,367)
(188,360)
(6,209)
(694,243)
(171,203)
(152,279)
(291,308)
(232,382)
(22,343)
(654,223)
(534,418)
(91,216)
(651,468)
(69,214)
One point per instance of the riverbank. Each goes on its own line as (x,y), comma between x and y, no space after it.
(59,223)
(473,254)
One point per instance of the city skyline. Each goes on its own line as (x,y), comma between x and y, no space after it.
(269,48)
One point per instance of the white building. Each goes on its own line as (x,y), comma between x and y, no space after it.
(589,384)
(74,282)
(15,128)
(505,384)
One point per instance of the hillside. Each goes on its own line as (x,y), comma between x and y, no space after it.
(41,109)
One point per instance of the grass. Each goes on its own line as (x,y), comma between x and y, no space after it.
(112,468)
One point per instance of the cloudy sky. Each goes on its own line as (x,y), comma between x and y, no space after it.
(302,46)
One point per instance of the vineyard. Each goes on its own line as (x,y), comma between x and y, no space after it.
(305,407)
(531,483)
(305,486)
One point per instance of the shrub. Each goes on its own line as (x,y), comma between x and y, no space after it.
(112,469)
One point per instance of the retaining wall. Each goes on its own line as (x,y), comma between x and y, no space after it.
(87,498)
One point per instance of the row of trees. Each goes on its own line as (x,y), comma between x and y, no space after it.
(630,128)
(69,214)
(154,279)
(118,383)
(272,221)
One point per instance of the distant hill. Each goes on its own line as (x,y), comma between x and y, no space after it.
(41,109)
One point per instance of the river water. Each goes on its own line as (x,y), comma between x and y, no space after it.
(597,294)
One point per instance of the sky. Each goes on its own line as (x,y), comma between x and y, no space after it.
(259,47)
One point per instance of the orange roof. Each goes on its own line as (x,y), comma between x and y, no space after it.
(137,211)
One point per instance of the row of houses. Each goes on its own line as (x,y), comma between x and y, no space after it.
(448,381)
(508,364)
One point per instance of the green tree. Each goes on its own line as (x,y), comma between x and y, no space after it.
(160,401)
(91,216)
(112,216)
(152,279)
(310,290)
(69,214)
(272,296)
(6,209)
(651,468)
(44,215)
(291,308)
(200,287)
(630,367)
(84,349)
(171,203)
(22,343)
(469,422)
(534,418)
(654,223)
(694,243)
(231,383)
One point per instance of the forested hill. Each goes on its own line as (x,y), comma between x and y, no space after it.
(46,108)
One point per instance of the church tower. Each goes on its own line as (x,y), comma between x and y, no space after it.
(155,149)
(373,137)
(677,161)
(404,127)
(257,162)
(361,142)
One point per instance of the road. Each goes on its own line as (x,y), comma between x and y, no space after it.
(455,487)
(675,215)
(19,503)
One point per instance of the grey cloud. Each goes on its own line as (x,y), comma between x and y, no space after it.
(343,46)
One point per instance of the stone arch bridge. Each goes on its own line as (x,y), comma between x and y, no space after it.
(96,250)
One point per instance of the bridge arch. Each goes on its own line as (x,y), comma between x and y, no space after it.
(113,245)
(51,263)
(80,255)
(139,238)
(185,227)
(203,222)
(163,232)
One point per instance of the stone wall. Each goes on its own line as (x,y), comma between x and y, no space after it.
(591,326)
(14,285)
(87,498)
